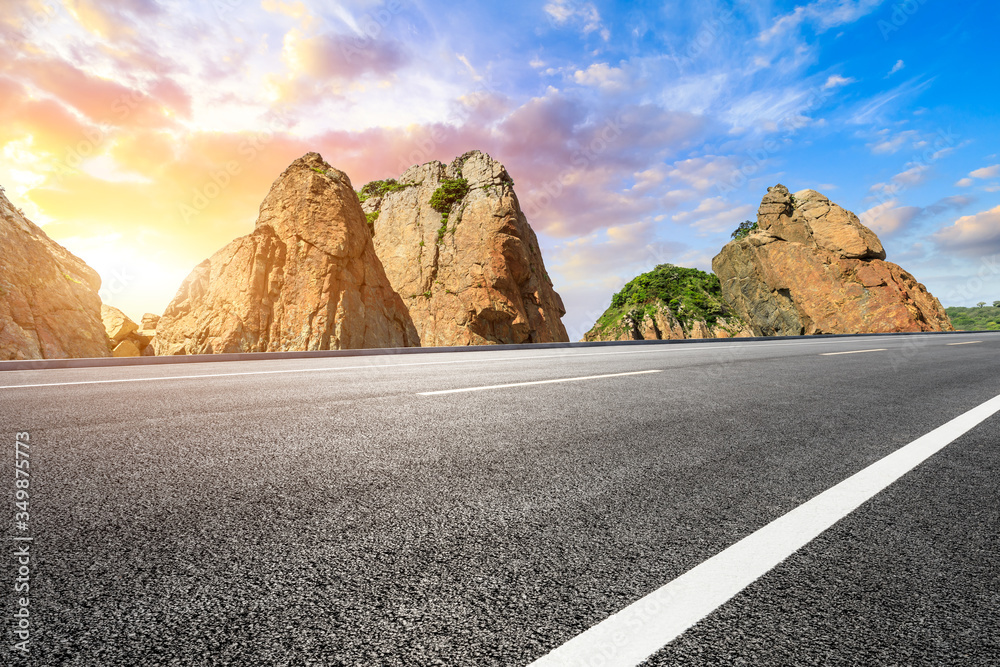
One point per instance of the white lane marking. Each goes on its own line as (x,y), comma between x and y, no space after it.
(525,384)
(968,342)
(633,634)
(567,355)
(830,354)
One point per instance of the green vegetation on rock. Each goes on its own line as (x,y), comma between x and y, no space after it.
(448,193)
(690,294)
(370,218)
(744,229)
(379,188)
(982,318)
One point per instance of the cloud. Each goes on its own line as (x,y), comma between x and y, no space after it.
(698,174)
(986,172)
(888,144)
(888,218)
(821,15)
(837,81)
(585,14)
(895,68)
(715,215)
(975,235)
(600,75)
(964,182)
(913,176)
(340,56)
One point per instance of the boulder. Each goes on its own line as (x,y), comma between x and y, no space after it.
(149,321)
(469,270)
(306,278)
(116,323)
(126,348)
(811,267)
(49,303)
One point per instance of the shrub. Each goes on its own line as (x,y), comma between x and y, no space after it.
(450,191)
(744,229)
(379,188)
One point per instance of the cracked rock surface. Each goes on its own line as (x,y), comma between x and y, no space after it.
(307,278)
(475,275)
(49,303)
(811,267)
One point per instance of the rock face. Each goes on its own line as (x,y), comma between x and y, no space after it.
(307,278)
(811,267)
(127,339)
(660,323)
(668,303)
(49,306)
(472,274)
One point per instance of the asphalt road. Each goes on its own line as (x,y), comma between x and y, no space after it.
(325,512)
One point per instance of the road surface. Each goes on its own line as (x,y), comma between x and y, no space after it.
(359,511)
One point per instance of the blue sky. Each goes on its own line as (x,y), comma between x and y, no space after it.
(636,133)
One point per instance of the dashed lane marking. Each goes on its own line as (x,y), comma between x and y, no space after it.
(525,384)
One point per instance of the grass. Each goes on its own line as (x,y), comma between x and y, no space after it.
(975,318)
(380,188)
(370,218)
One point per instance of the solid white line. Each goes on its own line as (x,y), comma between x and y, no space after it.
(968,342)
(568,355)
(647,625)
(830,354)
(525,384)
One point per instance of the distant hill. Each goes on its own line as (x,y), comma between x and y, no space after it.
(971,319)
(669,302)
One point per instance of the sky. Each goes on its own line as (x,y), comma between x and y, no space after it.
(143,134)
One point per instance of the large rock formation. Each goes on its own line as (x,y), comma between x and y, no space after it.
(811,267)
(307,278)
(49,307)
(668,303)
(462,255)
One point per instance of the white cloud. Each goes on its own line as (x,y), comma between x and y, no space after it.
(888,144)
(822,15)
(913,176)
(836,81)
(895,68)
(586,14)
(986,172)
(603,76)
(964,182)
(715,215)
(887,217)
(974,234)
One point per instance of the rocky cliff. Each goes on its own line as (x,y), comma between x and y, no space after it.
(811,267)
(459,251)
(668,303)
(49,307)
(307,278)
